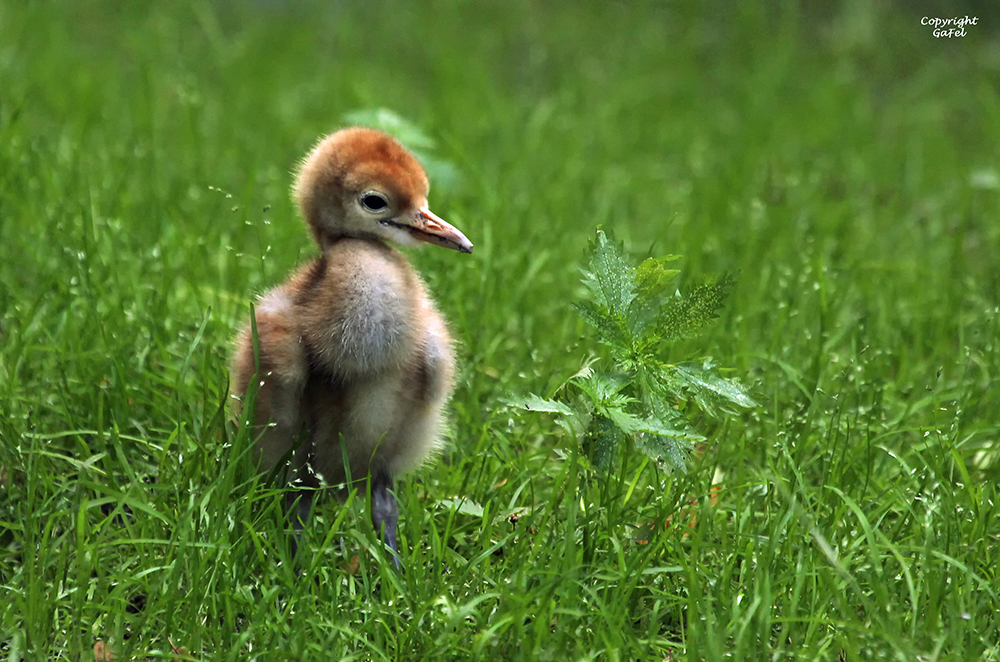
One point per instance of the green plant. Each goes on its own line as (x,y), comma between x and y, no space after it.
(442,172)
(641,398)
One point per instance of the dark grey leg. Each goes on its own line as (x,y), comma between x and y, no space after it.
(385,512)
(298,506)
(297,471)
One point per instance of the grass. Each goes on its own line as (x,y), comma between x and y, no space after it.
(843,161)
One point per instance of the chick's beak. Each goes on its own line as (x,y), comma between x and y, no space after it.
(427,226)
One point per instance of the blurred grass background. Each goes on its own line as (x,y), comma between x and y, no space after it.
(838,156)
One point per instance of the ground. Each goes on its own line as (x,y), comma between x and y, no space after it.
(840,160)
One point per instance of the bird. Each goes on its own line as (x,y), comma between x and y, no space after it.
(351,361)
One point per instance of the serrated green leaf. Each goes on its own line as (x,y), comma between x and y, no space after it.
(711,390)
(575,420)
(602,441)
(585,370)
(444,174)
(532,402)
(669,430)
(394,124)
(462,506)
(660,387)
(685,316)
(665,450)
(664,442)
(641,315)
(609,277)
(604,388)
(613,329)
(626,422)
(576,425)
(652,277)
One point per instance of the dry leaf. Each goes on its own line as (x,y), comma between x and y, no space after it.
(351,567)
(182,651)
(102,652)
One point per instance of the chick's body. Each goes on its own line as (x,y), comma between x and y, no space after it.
(351,346)
(355,361)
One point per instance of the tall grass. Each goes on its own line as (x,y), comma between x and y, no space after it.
(842,161)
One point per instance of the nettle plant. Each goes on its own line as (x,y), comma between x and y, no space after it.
(638,399)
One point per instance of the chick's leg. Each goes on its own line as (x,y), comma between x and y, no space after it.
(385,512)
(298,505)
(298,508)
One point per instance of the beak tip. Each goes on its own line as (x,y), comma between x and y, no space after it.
(436,230)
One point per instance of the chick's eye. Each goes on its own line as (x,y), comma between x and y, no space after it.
(374,202)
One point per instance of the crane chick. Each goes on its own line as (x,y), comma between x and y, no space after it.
(355,363)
